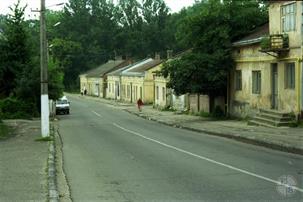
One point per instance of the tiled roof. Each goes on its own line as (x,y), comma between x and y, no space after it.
(147,66)
(119,71)
(253,37)
(105,68)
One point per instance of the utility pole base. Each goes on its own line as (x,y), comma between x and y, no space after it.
(44,116)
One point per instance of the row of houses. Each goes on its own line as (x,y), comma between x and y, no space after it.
(125,80)
(267,74)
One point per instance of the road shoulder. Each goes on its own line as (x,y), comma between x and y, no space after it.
(23,175)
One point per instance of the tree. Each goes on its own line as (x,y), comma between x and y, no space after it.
(15,55)
(20,65)
(209,30)
(155,13)
(129,39)
(66,56)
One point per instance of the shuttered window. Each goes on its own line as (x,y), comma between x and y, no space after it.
(238,80)
(163,93)
(290,78)
(256,82)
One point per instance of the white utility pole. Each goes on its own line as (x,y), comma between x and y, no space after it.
(44,77)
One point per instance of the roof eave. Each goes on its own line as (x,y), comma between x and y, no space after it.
(247,42)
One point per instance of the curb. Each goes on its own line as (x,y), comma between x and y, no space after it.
(229,136)
(53,195)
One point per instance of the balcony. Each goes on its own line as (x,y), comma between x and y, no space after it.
(276,43)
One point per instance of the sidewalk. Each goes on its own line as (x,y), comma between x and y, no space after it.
(284,139)
(23,164)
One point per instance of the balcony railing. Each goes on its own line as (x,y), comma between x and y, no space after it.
(275,43)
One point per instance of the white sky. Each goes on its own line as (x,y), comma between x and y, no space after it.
(175,5)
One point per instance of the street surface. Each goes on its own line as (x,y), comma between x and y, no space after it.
(111,155)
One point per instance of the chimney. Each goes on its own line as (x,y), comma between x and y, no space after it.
(157,56)
(169,54)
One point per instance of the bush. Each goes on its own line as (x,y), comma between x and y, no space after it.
(1,116)
(265,43)
(204,114)
(12,108)
(168,109)
(218,112)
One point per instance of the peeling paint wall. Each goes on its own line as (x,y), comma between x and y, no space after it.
(244,102)
(248,58)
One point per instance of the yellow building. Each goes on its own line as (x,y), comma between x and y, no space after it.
(95,80)
(165,97)
(114,83)
(138,82)
(268,69)
(115,89)
(162,93)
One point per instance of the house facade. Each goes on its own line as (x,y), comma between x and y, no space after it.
(162,93)
(121,86)
(95,80)
(138,82)
(268,64)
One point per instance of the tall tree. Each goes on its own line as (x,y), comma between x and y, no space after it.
(155,13)
(129,39)
(17,53)
(209,29)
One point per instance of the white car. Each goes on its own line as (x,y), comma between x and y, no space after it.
(62,105)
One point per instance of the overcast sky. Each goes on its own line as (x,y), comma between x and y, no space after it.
(175,5)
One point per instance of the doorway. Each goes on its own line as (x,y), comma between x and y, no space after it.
(274,85)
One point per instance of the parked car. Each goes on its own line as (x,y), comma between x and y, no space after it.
(62,106)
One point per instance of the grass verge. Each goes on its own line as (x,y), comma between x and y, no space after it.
(44,139)
(5,131)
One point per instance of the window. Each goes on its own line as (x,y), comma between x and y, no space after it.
(256,82)
(163,93)
(118,90)
(123,90)
(238,80)
(128,91)
(290,75)
(288,17)
(109,85)
(157,92)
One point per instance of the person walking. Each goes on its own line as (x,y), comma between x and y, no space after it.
(140,104)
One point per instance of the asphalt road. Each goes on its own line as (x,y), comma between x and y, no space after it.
(111,155)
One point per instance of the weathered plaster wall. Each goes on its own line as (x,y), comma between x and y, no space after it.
(161,103)
(244,102)
(111,81)
(83,82)
(276,25)
(135,83)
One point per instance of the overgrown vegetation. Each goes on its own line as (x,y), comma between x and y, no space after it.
(94,31)
(168,109)
(20,67)
(44,139)
(209,29)
(5,131)
(13,108)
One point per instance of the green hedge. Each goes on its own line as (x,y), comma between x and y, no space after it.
(12,108)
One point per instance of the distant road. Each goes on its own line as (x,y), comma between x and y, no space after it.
(111,155)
